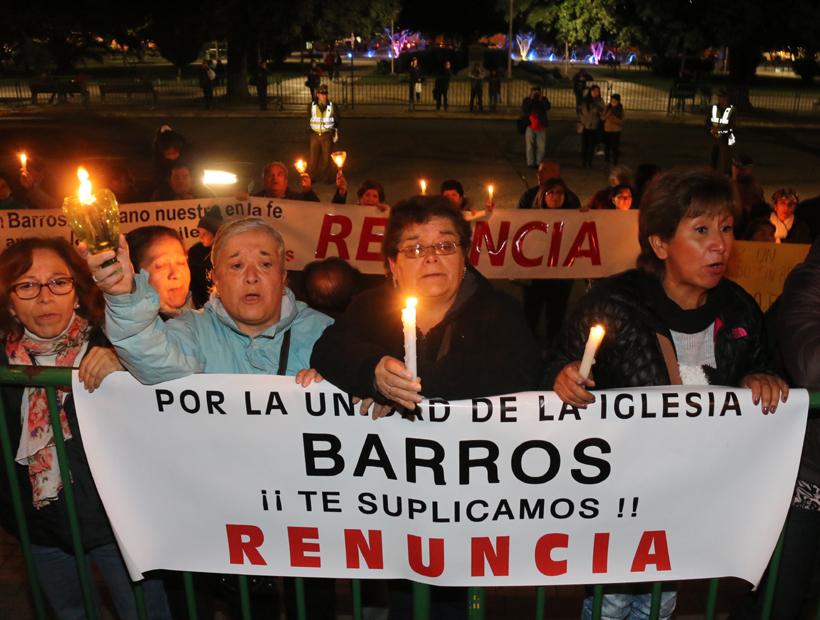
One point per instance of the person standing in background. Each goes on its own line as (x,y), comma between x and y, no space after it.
(535,107)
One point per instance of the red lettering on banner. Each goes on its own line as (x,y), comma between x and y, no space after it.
(499,561)
(555,244)
(600,553)
(518,244)
(368,236)
(436,566)
(326,237)
(482,232)
(643,556)
(239,548)
(543,558)
(371,550)
(297,540)
(587,229)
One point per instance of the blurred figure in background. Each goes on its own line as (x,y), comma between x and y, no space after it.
(199,256)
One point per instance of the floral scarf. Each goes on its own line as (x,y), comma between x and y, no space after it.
(37,449)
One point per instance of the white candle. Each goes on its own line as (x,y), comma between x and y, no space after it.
(408,321)
(23,161)
(423,188)
(596,334)
(490,189)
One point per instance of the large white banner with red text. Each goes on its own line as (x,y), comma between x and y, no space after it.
(255,475)
(508,244)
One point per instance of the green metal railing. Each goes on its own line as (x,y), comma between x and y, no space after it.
(52,378)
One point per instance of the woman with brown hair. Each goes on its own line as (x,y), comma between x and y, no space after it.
(51,314)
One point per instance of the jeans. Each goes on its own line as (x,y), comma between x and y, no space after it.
(477,96)
(536,142)
(612,146)
(60,579)
(630,606)
(589,139)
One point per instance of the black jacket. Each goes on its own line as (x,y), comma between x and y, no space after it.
(48,526)
(798,333)
(308,196)
(630,354)
(529,105)
(482,347)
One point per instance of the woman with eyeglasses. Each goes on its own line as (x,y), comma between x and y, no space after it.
(51,314)
(464,326)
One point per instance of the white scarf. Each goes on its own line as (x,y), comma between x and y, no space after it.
(782,227)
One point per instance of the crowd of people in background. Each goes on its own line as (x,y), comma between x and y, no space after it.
(673,319)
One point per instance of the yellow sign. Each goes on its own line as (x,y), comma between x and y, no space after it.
(761,268)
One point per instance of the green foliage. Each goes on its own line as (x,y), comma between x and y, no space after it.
(336,19)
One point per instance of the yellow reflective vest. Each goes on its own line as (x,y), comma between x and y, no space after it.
(319,122)
(721,121)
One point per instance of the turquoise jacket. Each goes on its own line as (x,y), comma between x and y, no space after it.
(204,341)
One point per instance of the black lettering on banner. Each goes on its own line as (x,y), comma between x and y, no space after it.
(536,511)
(330,501)
(604,468)
(518,458)
(488,461)
(503,510)
(183,401)
(692,399)
(482,401)
(469,511)
(589,508)
(372,442)
(603,406)
(249,410)
(367,503)
(542,410)
(164,397)
(309,404)
(645,413)
(433,463)
(307,495)
(312,453)
(669,405)
(274,403)
(432,409)
(730,403)
(554,508)
(567,409)
(508,406)
(414,507)
(386,506)
(617,406)
(343,402)
(214,399)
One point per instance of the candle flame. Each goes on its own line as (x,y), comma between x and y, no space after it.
(411,303)
(85,185)
(301,166)
(23,159)
(491,191)
(423,187)
(598,331)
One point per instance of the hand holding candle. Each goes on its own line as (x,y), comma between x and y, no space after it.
(596,334)
(301,166)
(94,218)
(408,320)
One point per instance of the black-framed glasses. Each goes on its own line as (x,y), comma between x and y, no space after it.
(31,290)
(443,248)
(555,192)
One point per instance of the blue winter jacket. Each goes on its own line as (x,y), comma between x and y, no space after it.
(204,341)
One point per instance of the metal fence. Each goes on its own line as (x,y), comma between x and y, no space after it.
(51,378)
(391,90)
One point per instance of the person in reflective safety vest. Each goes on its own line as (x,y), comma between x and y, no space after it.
(324,121)
(721,123)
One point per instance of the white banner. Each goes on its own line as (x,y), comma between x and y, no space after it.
(508,244)
(254,475)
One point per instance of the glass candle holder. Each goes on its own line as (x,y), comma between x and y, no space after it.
(95,221)
(339,158)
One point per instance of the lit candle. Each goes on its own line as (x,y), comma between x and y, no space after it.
(408,321)
(94,218)
(596,334)
(301,166)
(423,188)
(339,158)
(23,161)
(85,186)
(490,190)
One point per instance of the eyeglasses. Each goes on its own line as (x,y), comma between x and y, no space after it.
(31,290)
(443,248)
(555,192)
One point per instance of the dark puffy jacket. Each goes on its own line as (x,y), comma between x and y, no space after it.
(543,105)
(798,332)
(482,347)
(630,354)
(48,526)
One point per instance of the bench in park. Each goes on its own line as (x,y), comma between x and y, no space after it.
(58,89)
(140,88)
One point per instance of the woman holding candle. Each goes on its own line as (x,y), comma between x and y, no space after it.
(51,314)
(159,251)
(673,320)
(463,325)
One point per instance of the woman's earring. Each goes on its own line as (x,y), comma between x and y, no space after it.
(464,275)
(394,282)
(76,305)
